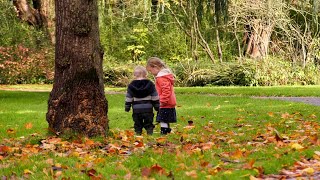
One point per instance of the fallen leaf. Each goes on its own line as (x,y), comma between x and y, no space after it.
(253,178)
(271,114)
(157,169)
(27,171)
(192,174)
(28,125)
(237,154)
(146,171)
(161,139)
(218,107)
(89,142)
(297,146)
(11,131)
(128,176)
(249,165)
(308,170)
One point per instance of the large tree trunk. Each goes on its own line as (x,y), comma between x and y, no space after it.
(77,101)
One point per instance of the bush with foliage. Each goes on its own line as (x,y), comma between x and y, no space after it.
(13,31)
(22,65)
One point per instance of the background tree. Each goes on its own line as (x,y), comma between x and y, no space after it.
(77,101)
(38,13)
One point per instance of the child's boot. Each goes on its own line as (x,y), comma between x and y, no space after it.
(168,130)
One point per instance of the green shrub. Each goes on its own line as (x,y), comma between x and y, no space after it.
(224,74)
(274,71)
(267,72)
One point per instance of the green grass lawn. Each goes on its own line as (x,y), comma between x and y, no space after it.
(233,137)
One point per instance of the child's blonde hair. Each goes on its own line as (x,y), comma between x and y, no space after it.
(140,72)
(155,62)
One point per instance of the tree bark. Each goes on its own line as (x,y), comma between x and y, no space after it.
(40,15)
(77,101)
(27,13)
(257,40)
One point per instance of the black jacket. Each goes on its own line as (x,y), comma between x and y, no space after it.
(142,96)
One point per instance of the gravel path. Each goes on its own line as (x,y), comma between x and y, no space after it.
(308,100)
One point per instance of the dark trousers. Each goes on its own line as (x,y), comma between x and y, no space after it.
(143,120)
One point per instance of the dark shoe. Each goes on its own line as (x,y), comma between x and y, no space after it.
(163,131)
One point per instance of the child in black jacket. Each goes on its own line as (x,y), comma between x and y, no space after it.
(143,97)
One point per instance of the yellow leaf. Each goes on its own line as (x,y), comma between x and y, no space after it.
(27,171)
(297,146)
(75,154)
(227,172)
(308,170)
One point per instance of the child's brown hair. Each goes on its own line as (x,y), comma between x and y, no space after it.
(156,62)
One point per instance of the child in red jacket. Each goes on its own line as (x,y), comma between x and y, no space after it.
(164,85)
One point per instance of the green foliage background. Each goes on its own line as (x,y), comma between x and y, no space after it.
(132,31)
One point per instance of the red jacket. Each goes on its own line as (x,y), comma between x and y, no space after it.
(164,86)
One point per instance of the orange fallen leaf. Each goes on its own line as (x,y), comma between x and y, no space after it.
(271,114)
(11,131)
(161,139)
(89,142)
(28,125)
(249,165)
(237,154)
(138,144)
(4,149)
(192,174)
(157,169)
